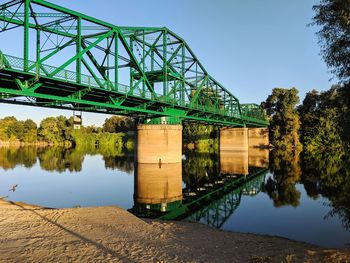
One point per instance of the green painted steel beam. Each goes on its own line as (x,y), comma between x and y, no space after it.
(57,99)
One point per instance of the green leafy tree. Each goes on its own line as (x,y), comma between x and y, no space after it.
(325,120)
(30,131)
(284,120)
(334,37)
(118,124)
(4,124)
(15,130)
(49,130)
(203,138)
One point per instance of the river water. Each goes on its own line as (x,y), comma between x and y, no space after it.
(299,197)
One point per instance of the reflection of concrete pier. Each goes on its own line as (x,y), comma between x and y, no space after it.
(234,162)
(158,185)
(258,157)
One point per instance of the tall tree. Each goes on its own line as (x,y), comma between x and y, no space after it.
(334,37)
(4,124)
(49,130)
(325,120)
(118,124)
(284,119)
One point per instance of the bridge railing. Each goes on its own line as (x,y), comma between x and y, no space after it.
(252,110)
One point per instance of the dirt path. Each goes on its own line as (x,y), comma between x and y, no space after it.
(111,234)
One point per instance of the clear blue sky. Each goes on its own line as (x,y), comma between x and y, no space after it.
(249,46)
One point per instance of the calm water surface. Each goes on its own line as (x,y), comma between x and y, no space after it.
(263,193)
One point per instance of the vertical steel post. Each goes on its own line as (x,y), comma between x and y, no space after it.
(143,62)
(78,49)
(224,102)
(131,69)
(116,61)
(107,50)
(38,52)
(152,59)
(165,65)
(26,35)
(197,85)
(183,74)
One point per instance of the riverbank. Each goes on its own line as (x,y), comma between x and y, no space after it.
(18,144)
(111,234)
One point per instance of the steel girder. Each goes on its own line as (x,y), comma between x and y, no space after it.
(71,60)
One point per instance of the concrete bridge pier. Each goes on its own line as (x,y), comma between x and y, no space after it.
(159,143)
(258,138)
(233,146)
(158,168)
(234,139)
(243,147)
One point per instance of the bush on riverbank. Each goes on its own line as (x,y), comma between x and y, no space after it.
(58,131)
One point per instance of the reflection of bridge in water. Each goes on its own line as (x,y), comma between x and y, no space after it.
(214,206)
(210,198)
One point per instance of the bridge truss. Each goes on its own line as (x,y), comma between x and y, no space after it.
(74,61)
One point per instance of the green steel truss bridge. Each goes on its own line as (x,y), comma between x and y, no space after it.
(69,60)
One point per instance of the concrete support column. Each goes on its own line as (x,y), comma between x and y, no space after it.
(258,142)
(234,139)
(234,151)
(159,143)
(258,138)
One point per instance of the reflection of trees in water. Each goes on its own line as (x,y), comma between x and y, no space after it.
(285,167)
(199,168)
(10,157)
(324,174)
(328,174)
(62,159)
(124,163)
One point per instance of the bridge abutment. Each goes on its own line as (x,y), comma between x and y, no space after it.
(159,143)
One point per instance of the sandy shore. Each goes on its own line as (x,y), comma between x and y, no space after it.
(111,234)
